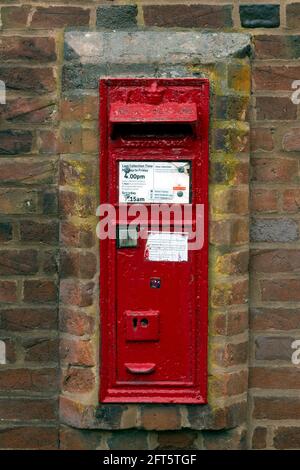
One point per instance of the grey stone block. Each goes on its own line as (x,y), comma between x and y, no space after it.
(273,230)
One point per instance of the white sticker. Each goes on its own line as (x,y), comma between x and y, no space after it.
(167,246)
(160,182)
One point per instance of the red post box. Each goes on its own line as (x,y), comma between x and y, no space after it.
(153,280)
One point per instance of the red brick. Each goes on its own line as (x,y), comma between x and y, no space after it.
(37,380)
(72,171)
(81,236)
(229,232)
(273,261)
(291,140)
(76,323)
(41,290)
(274,169)
(29,437)
(230,201)
(285,378)
(74,108)
(259,438)
(48,142)
(40,49)
(160,418)
(14,16)
(59,17)
(230,354)
(80,265)
(232,439)
(276,46)
(275,109)
(72,203)
(40,350)
(36,231)
(78,439)
(78,380)
(26,319)
(13,142)
(50,262)
(77,352)
(30,110)
(175,440)
(27,171)
(287,437)
(25,409)
(37,79)
(77,293)
(275,78)
(8,291)
(18,262)
(274,319)
(229,384)
(262,139)
(276,408)
(291,200)
(284,290)
(232,323)
(264,200)
(188,16)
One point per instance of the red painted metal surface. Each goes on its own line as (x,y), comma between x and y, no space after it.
(153,313)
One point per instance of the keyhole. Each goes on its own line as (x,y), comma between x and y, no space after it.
(135,322)
(144,322)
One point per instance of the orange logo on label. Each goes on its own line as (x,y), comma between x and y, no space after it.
(179,188)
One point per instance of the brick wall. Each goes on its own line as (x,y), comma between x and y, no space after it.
(35,134)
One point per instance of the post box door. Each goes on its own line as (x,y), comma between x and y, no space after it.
(153,287)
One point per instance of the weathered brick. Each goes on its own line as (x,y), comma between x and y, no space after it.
(6,231)
(286,290)
(230,354)
(232,439)
(50,202)
(36,231)
(230,201)
(293,15)
(13,142)
(229,324)
(231,107)
(229,384)
(19,201)
(291,140)
(276,46)
(40,350)
(77,293)
(76,323)
(188,16)
(24,409)
(30,110)
(73,171)
(229,172)
(41,290)
(262,139)
(291,200)
(233,293)
(273,78)
(160,418)
(274,319)
(128,440)
(81,236)
(19,262)
(21,78)
(269,348)
(78,380)
(259,438)
(285,378)
(229,232)
(48,141)
(274,261)
(79,439)
(26,319)
(59,17)
(117,16)
(73,203)
(276,408)
(174,440)
(50,262)
(275,108)
(15,16)
(239,78)
(37,380)
(80,265)
(260,16)
(231,140)
(287,437)
(29,437)
(274,230)
(274,169)
(264,200)
(82,76)
(40,49)
(8,291)
(27,171)
(77,352)
(233,263)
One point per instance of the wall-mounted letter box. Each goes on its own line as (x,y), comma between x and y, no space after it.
(153,280)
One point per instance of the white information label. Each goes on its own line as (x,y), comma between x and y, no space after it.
(150,182)
(167,246)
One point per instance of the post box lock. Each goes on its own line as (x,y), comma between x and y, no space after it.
(153,285)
